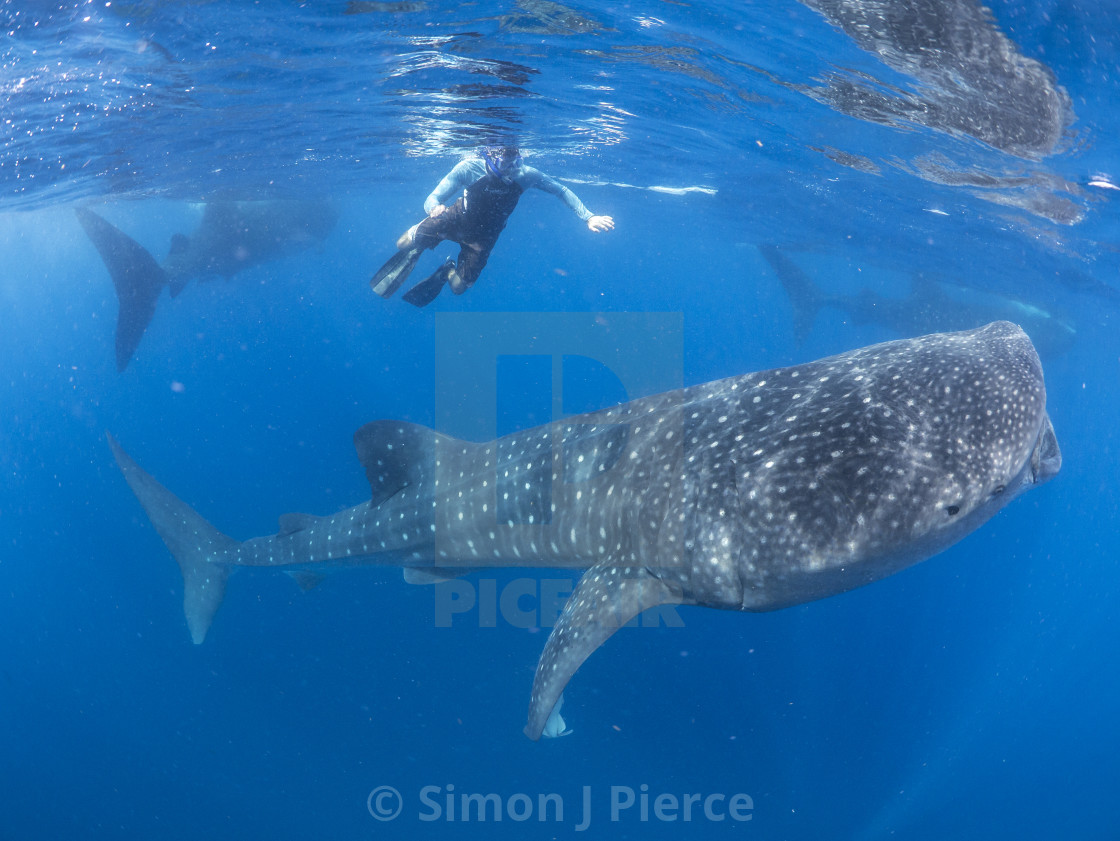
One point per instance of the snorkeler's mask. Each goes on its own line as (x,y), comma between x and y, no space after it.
(502,161)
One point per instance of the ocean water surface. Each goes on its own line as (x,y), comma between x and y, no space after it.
(788,180)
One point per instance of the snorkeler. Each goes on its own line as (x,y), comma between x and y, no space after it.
(490,186)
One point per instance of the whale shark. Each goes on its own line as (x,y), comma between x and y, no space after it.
(230,237)
(931,304)
(966,75)
(751,493)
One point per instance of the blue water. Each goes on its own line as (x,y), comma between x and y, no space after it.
(974,696)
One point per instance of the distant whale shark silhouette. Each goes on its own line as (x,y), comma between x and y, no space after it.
(931,305)
(231,237)
(750,493)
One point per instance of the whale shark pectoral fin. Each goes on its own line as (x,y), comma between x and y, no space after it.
(396,455)
(555,728)
(606,598)
(435,575)
(136,275)
(306,579)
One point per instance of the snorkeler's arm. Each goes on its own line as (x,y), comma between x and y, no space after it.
(461,176)
(529,177)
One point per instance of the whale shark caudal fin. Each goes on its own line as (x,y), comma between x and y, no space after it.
(606,598)
(803,294)
(195,544)
(136,275)
(177,281)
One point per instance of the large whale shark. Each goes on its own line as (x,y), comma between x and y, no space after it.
(751,493)
(230,237)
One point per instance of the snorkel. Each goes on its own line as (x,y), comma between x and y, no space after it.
(502,161)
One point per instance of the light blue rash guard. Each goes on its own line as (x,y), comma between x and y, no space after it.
(467,172)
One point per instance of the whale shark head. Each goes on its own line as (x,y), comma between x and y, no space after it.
(882,457)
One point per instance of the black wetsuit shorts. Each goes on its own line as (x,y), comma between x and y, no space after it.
(475,221)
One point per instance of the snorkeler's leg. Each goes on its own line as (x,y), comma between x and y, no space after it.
(472,260)
(425,234)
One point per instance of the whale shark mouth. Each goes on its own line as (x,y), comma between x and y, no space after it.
(1046,457)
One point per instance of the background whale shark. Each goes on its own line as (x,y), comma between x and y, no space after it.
(230,237)
(930,305)
(751,493)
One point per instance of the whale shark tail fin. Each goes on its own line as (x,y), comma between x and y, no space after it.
(136,275)
(176,280)
(196,545)
(804,295)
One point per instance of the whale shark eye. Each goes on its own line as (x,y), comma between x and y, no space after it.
(952,509)
(998,490)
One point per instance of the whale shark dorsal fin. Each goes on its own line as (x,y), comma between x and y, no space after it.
(397,455)
(180,244)
(606,598)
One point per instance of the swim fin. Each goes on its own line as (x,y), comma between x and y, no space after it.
(424,292)
(396,270)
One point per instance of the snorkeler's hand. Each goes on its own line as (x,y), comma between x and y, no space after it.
(600,223)
(437,210)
